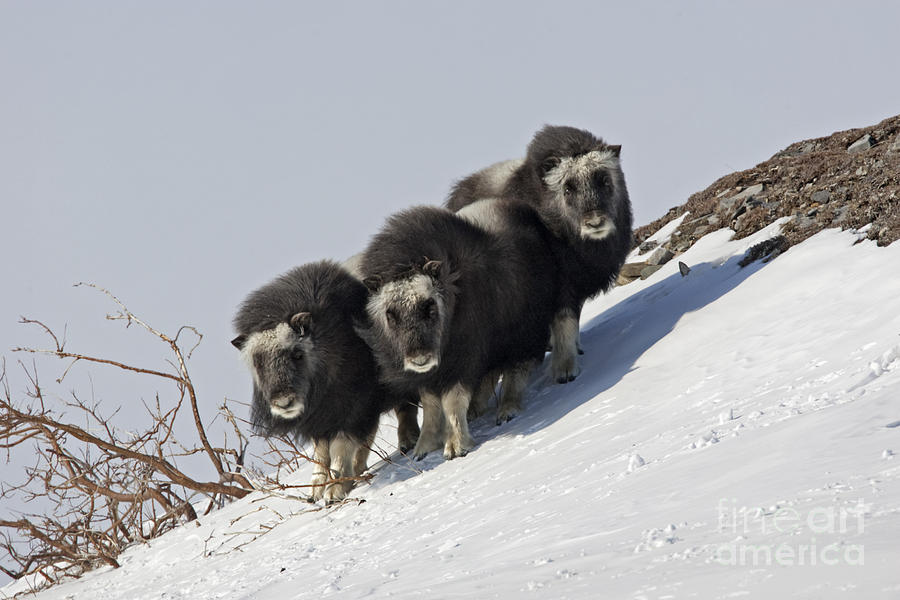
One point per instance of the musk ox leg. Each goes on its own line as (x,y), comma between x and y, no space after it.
(564,359)
(322,456)
(455,403)
(432,434)
(407,426)
(578,337)
(514,382)
(343,452)
(479,404)
(361,457)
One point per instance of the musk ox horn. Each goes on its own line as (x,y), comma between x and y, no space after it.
(432,268)
(372,283)
(300,322)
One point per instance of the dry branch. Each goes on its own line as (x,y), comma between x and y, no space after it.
(104,489)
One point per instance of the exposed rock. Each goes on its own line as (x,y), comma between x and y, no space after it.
(632,270)
(647,246)
(816,182)
(895,147)
(622,280)
(860,145)
(660,256)
(822,196)
(649,270)
(683,268)
(766,250)
(749,192)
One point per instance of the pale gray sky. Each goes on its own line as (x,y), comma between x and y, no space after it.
(184,153)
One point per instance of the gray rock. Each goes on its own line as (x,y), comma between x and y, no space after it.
(683,268)
(660,256)
(714,220)
(895,147)
(860,145)
(749,192)
(753,190)
(840,215)
(649,270)
(647,246)
(632,270)
(822,196)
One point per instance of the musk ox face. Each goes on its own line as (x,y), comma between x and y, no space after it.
(411,314)
(586,190)
(283,361)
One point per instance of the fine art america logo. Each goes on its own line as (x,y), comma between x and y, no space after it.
(802,549)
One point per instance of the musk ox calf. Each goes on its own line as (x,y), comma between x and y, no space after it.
(576,183)
(313,377)
(452,302)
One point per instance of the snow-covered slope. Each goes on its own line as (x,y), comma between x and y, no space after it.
(731,435)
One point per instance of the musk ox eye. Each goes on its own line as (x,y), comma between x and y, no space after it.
(601,180)
(569,188)
(428,308)
(392,317)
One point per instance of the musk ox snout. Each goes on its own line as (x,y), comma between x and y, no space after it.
(420,363)
(287,406)
(597,225)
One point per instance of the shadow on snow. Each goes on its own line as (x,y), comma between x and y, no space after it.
(613,341)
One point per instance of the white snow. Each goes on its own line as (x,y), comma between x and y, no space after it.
(729,436)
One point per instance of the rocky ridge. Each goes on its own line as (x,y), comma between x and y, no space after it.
(850,179)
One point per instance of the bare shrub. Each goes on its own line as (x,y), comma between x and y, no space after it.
(105,488)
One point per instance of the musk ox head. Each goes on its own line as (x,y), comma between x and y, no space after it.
(284,363)
(409,315)
(581,181)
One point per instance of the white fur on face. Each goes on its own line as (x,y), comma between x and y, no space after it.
(418,366)
(268,344)
(581,169)
(598,233)
(292,411)
(404,295)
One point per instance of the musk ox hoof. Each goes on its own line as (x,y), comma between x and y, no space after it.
(317,489)
(458,447)
(567,371)
(335,492)
(425,445)
(580,352)
(407,443)
(505,414)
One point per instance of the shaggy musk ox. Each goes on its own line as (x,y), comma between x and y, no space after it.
(452,302)
(576,183)
(313,377)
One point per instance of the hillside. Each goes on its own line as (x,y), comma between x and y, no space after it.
(733,433)
(849,179)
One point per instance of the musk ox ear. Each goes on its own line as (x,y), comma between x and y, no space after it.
(616,150)
(239,341)
(548,164)
(372,283)
(301,322)
(432,268)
